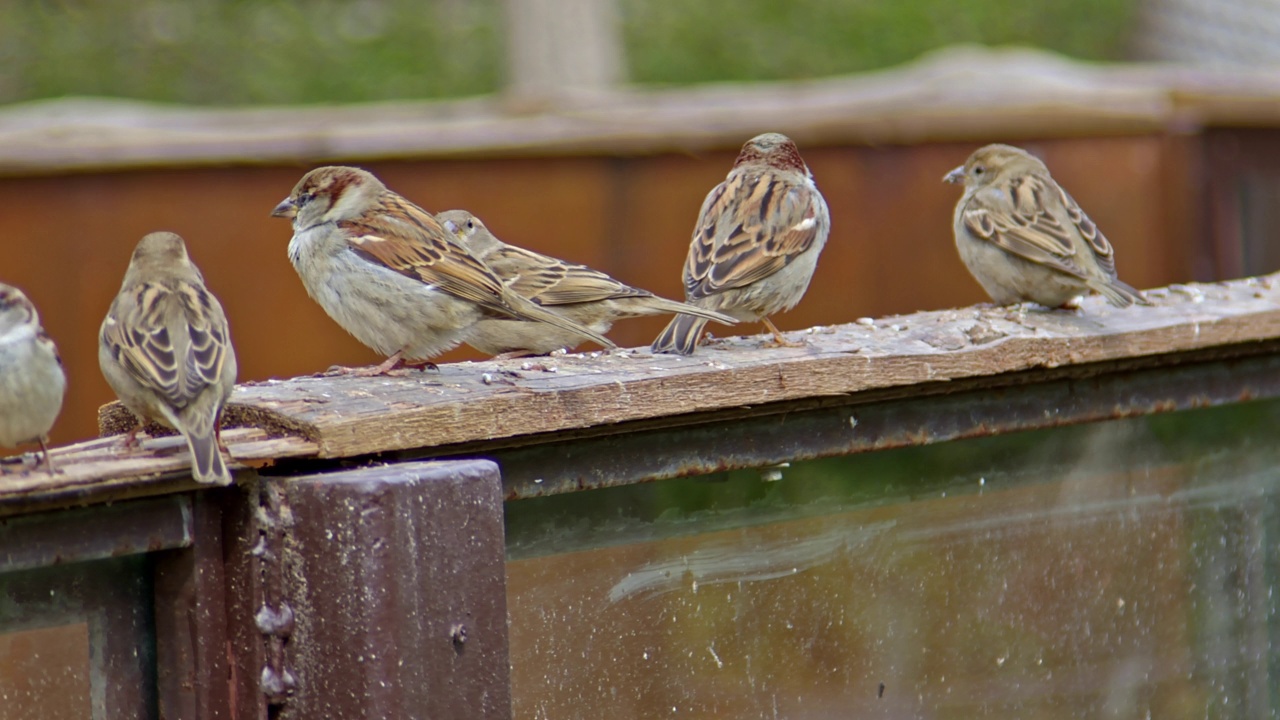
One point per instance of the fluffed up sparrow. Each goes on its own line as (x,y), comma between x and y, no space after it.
(756,243)
(389,274)
(31,377)
(1024,239)
(587,297)
(165,349)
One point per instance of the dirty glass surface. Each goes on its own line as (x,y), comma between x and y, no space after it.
(77,641)
(44,673)
(1119,569)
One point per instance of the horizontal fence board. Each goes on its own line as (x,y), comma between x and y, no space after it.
(468,402)
(963,93)
(543,399)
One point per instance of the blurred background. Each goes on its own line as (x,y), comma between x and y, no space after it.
(592,130)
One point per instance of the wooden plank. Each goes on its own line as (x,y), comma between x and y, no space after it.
(559,48)
(527,401)
(479,401)
(103,470)
(1022,93)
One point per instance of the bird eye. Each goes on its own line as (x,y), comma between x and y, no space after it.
(978,169)
(471,225)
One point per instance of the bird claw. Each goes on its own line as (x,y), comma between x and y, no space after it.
(781,342)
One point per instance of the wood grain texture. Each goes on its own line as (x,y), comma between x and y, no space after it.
(962,93)
(530,400)
(478,401)
(103,470)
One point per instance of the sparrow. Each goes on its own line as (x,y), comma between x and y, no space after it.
(587,297)
(756,242)
(387,272)
(1024,239)
(165,349)
(32,380)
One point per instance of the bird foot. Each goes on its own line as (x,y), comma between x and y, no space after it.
(44,453)
(778,340)
(131,441)
(386,367)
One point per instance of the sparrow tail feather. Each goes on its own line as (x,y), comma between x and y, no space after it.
(680,336)
(533,311)
(1120,294)
(207,465)
(671,306)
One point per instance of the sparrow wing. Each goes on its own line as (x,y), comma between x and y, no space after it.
(1021,219)
(549,282)
(407,239)
(751,226)
(171,339)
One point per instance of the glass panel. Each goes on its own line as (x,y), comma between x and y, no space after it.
(44,673)
(81,638)
(1119,569)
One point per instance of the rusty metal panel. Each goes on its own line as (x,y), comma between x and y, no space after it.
(95,533)
(805,431)
(394,598)
(242,533)
(193,677)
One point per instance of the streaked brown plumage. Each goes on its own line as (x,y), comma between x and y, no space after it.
(756,243)
(165,349)
(585,296)
(1024,238)
(388,273)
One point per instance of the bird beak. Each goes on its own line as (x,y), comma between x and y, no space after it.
(450,227)
(285,209)
(955,176)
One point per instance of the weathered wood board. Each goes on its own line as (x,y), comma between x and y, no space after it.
(473,401)
(1019,93)
(470,402)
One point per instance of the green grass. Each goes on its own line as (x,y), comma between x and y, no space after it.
(237,52)
(780,39)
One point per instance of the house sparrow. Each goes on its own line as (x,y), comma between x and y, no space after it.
(31,377)
(165,349)
(1024,239)
(587,297)
(756,243)
(389,274)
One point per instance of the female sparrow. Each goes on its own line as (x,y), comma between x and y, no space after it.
(165,349)
(756,243)
(1024,239)
(587,297)
(31,378)
(389,274)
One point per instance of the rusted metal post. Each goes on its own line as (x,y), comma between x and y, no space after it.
(192,665)
(394,593)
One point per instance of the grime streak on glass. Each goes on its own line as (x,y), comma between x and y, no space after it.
(1115,569)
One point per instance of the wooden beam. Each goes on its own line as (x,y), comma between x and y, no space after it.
(103,470)
(1023,94)
(559,48)
(555,398)
(468,402)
